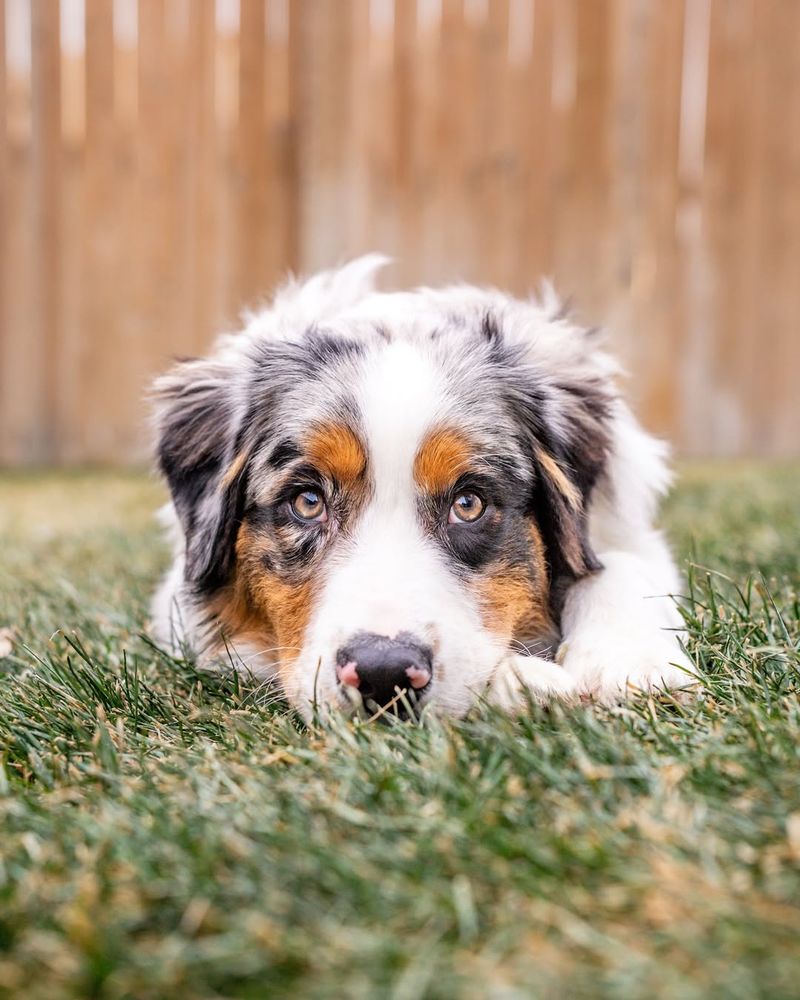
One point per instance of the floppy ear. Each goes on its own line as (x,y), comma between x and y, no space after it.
(567,433)
(206,473)
(560,506)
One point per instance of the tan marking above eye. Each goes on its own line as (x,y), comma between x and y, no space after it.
(442,457)
(337,453)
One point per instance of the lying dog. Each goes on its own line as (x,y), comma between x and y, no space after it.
(426,496)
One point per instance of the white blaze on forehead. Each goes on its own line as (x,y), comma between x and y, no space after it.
(386,583)
(402,396)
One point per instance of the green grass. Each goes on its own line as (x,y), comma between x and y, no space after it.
(166,834)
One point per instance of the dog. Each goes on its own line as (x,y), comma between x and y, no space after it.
(408,499)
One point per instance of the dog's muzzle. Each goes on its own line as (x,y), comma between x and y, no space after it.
(384,669)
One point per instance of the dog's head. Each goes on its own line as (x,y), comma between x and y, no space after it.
(388,493)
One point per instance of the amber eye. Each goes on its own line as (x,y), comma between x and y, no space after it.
(310,506)
(467,507)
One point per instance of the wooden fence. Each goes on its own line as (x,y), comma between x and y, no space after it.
(163,163)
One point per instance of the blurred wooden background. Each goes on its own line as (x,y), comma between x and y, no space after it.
(164,162)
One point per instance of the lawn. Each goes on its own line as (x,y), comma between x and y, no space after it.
(165,834)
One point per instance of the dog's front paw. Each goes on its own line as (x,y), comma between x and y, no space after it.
(608,666)
(520,679)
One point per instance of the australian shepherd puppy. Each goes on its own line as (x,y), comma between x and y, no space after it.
(422,498)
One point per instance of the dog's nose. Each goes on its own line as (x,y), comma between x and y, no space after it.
(379,666)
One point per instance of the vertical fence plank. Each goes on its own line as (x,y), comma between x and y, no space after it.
(226,84)
(152,336)
(280,180)
(533,125)
(176,174)
(377,142)
(583,264)
(76,390)
(469,90)
(20,376)
(253,222)
(100,366)
(6,342)
(422,254)
(324,72)
(728,214)
(403,108)
(495,252)
(45,168)
(657,280)
(205,313)
(360,181)
(132,317)
(450,244)
(773,377)
(292,187)
(562,97)
(783,440)
(163,263)
(405,184)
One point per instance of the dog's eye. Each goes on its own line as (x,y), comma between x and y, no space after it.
(309,505)
(467,507)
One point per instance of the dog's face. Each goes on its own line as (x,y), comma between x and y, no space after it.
(379,510)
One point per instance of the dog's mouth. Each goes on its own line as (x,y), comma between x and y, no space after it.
(405,705)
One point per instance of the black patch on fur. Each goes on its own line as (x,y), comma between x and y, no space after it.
(283,453)
(475,545)
(260,517)
(308,545)
(323,347)
(296,543)
(490,328)
(194,451)
(499,531)
(302,477)
(214,569)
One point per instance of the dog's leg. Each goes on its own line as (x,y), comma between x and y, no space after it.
(521,678)
(620,627)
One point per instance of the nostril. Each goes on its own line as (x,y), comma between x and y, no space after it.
(419,676)
(348,674)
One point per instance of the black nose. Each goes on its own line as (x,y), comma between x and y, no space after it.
(380,667)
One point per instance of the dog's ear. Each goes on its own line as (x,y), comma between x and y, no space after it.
(567,435)
(560,502)
(203,463)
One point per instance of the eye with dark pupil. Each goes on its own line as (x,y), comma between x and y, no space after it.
(466,507)
(309,506)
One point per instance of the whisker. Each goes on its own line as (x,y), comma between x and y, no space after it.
(272,649)
(533,649)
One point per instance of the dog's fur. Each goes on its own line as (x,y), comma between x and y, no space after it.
(388,407)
